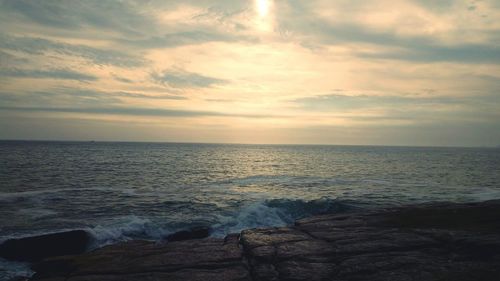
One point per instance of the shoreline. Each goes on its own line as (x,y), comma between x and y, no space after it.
(432,241)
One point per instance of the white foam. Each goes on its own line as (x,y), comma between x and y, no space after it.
(484,194)
(126,228)
(251,216)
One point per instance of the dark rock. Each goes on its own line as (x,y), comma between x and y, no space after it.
(19,278)
(264,272)
(300,270)
(252,238)
(215,259)
(50,245)
(193,233)
(425,242)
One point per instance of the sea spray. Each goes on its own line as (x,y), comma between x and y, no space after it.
(124,229)
(274,213)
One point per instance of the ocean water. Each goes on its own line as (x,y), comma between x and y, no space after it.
(121,191)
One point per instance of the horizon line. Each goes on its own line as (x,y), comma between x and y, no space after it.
(237,143)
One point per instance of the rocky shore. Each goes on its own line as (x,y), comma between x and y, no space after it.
(423,242)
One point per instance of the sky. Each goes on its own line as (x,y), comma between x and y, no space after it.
(348,72)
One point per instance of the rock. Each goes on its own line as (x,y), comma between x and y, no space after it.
(201,259)
(426,242)
(50,245)
(19,278)
(300,270)
(193,233)
(431,242)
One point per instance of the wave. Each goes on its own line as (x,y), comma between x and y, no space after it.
(300,208)
(265,213)
(276,212)
(124,229)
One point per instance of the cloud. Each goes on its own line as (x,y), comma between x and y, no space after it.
(58,98)
(192,37)
(384,52)
(135,111)
(63,74)
(415,109)
(123,79)
(122,16)
(143,96)
(328,102)
(441,6)
(71,97)
(40,46)
(79,92)
(178,78)
(314,30)
(134,23)
(411,48)
(8,59)
(467,53)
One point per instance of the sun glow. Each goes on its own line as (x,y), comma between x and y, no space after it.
(264,19)
(262,7)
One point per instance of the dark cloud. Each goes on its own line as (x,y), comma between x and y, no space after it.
(177,78)
(431,53)
(341,101)
(123,79)
(441,6)
(121,16)
(7,59)
(416,48)
(182,38)
(58,98)
(143,96)
(130,22)
(315,31)
(73,92)
(135,111)
(62,97)
(417,109)
(39,46)
(64,74)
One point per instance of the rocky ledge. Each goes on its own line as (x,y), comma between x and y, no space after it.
(424,242)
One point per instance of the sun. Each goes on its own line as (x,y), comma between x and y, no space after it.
(262,7)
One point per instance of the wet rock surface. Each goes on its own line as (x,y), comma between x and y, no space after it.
(193,233)
(425,242)
(39,247)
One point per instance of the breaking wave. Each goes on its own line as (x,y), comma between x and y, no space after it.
(266,213)
(124,229)
(275,212)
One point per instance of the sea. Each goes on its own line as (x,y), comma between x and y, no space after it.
(119,191)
